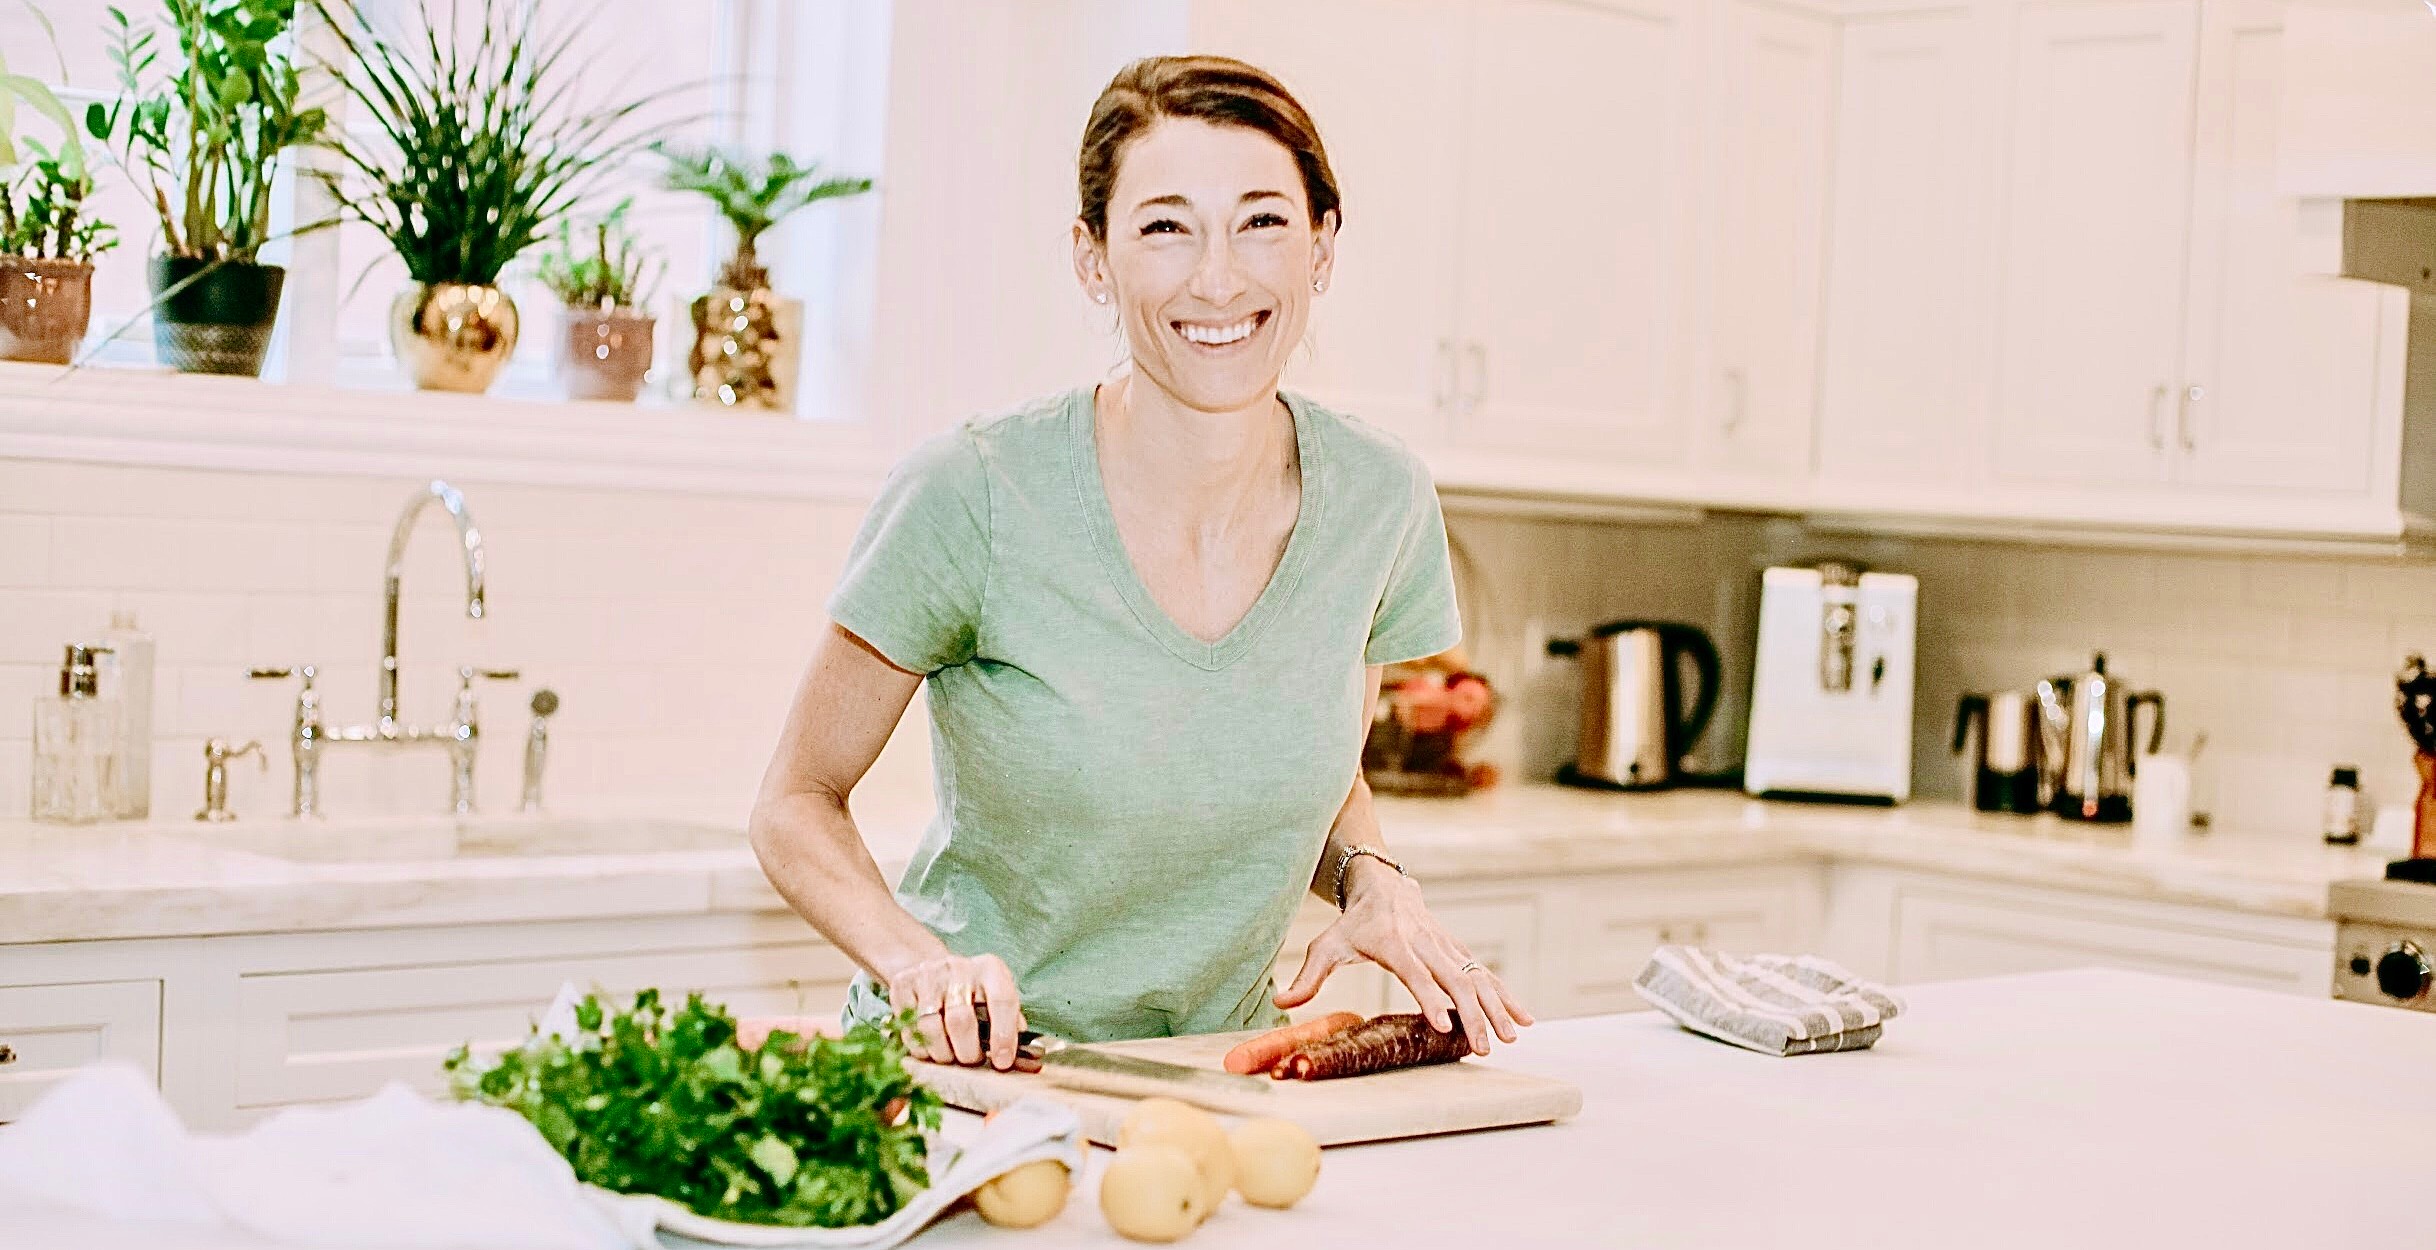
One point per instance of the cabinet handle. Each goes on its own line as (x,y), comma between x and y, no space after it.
(2187,428)
(2156,416)
(1740,407)
(8,1054)
(1480,376)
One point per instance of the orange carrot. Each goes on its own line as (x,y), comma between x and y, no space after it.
(1258,1054)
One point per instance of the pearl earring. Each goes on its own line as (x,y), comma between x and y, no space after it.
(1100,296)
(1319,284)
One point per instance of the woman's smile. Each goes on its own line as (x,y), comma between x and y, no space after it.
(1222,338)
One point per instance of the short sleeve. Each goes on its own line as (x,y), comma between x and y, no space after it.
(919,567)
(1416,616)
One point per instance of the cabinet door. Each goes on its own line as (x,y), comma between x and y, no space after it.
(1576,244)
(1775,89)
(1902,386)
(55,1029)
(1947,932)
(1608,930)
(1381,78)
(2284,378)
(2096,212)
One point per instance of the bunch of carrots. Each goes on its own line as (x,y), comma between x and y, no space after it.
(1342,1044)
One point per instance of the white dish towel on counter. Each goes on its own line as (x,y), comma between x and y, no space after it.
(399,1171)
(1774,1004)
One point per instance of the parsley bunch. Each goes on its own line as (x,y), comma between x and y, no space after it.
(827,1132)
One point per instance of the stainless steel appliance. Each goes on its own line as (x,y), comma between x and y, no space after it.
(2385,942)
(2000,733)
(1831,691)
(1637,724)
(2085,741)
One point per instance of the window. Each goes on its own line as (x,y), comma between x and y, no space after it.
(805,77)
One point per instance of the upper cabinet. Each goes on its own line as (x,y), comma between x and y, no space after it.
(1977,264)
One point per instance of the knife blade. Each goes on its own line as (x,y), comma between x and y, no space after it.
(1067,1063)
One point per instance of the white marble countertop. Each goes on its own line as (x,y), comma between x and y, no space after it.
(274,875)
(2090,1109)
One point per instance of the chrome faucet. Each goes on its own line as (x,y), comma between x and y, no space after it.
(462,733)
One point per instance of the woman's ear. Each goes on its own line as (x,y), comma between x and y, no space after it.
(1323,251)
(1090,264)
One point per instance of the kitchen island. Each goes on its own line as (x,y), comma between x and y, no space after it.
(2083,1109)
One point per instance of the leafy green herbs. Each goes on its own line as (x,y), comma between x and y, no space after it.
(471,152)
(827,1132)
(203,134)
(753,196)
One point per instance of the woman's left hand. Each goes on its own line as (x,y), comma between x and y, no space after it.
(1386,922)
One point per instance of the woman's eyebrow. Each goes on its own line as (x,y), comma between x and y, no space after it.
(1182,201)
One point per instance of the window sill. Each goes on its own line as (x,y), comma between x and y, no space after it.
(144,416)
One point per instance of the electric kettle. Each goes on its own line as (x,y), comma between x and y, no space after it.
(1637,724)
(2085,741)
(2001,733)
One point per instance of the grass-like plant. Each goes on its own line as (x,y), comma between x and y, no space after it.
(479,149)
(209,126)
(753,195)
(599,267)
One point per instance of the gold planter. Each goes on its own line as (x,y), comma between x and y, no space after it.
(45,306)
(748,348)
(451,336)
(605,353)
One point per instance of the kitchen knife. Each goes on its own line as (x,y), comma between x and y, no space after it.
(1066,1064)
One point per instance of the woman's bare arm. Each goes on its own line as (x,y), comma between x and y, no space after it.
(847,705)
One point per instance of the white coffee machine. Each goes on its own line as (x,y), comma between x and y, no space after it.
(1831,693)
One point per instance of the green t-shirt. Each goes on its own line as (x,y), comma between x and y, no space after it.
(1128,816)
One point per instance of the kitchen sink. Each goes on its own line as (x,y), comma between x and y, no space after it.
(477,837)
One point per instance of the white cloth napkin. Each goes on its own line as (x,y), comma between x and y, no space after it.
(1774,1004)
(399,1171)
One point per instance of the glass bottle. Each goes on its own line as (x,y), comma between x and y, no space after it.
(78,746)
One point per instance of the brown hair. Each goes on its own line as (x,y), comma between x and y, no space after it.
(1215,89)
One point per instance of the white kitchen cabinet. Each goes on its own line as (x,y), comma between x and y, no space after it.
(1602,930)
(1383,79)
(1903,395)
(1772,97)
(1946,929)
(2289,382)
(1500,926)
(2096,215)
(1578,205)
(55,1029)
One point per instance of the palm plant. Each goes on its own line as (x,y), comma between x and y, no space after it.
(212,127)
(479,150)
(604,271)
(753,196)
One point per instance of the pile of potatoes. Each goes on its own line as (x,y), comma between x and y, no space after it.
(1173,1167)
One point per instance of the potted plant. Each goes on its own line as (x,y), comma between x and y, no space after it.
(747,339)
(204,135)
(477,150)
(47,240)
(598,279)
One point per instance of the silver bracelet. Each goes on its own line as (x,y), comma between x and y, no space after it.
(1344,860)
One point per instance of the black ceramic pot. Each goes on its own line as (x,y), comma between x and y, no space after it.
(220,322)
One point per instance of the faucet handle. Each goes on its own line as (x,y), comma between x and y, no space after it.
(305,671)
(467,673)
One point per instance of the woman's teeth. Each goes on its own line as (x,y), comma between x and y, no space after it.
(1220,336)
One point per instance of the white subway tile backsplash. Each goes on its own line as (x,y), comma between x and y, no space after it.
(2304,584)
(25,550)
(36,624)
(191,627)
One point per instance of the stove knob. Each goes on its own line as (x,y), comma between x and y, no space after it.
(2403,972)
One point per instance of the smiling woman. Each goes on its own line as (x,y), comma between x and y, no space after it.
(1151,616)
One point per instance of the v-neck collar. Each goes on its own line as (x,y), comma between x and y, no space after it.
(1100,516)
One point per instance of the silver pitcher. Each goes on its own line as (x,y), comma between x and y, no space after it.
(2086,733)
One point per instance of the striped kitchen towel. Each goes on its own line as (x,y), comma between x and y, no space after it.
(1774,1004)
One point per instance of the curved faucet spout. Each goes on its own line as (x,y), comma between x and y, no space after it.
(468,537)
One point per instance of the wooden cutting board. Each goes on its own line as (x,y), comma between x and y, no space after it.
(1415,1102)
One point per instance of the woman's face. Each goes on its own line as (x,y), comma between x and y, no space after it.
(1210,260)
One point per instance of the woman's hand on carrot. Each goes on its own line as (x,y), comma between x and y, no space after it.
(1386,922)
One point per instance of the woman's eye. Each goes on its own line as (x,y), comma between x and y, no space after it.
(1164,225)
(1264,219)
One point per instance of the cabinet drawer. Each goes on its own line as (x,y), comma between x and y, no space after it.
(1611,930)
(324,1035)
(1944,933)
(56,1029)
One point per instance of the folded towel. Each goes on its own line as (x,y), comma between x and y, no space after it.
(1774,1004)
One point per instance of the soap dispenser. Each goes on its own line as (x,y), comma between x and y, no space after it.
(78,745)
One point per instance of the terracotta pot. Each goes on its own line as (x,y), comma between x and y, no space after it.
(221,321)
(748,347)
(453,336)
(45,306)
(605,353)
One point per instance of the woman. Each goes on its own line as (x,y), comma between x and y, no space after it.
(1151,616)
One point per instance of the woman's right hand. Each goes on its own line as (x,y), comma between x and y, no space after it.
(943,991)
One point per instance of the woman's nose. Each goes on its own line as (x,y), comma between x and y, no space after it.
(1216,280)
